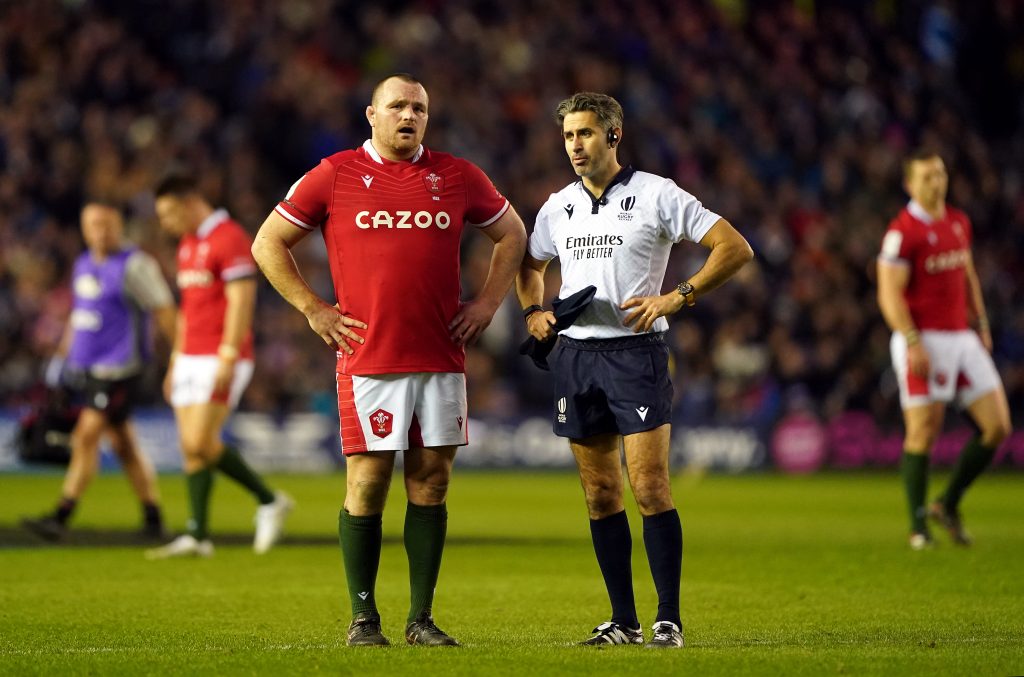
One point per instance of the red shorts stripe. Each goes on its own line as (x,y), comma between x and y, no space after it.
(415,434)
(352,440)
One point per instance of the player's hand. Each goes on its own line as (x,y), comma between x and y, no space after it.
(470,322)
(650,308)
(224,376)
(918,360)
(334,328)
(541,325)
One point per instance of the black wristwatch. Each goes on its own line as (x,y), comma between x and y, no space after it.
(530,310)
(686,290)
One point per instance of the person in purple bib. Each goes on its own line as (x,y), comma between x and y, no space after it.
(106,344)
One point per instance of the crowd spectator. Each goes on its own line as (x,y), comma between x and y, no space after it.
(788,118)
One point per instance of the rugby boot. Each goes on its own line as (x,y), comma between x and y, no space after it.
(365,631)
(423,632)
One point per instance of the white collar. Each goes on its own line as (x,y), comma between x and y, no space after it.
(372,152)
(211,222)
(920,213)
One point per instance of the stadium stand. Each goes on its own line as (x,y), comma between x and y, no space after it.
(788,118)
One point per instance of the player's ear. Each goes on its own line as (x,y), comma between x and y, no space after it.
(370,113)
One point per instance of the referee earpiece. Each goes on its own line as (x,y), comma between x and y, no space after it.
(613,138)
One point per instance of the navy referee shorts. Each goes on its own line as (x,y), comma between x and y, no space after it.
(617,385)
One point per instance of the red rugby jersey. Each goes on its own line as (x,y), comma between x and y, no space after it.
(219,252)
(937,251)
(392,231)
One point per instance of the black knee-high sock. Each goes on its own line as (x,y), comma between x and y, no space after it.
(361,539)
(614,548)
(663,539)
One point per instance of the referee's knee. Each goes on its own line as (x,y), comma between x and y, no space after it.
(653,496)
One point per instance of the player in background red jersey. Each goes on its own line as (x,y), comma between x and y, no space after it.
(392,214)
(211,363)
(927,290)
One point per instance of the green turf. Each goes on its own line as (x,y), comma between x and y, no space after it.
(782,576)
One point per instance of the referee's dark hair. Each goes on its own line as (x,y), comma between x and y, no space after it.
(607,109)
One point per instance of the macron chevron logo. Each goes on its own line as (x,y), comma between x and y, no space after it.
(642,411)
(367,180)
(364,595)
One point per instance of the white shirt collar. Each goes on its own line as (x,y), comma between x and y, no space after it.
(919,212)
(211,222)
(372,152)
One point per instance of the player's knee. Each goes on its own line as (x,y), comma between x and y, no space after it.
(86,436)
(367,493)
(198,445)
(431,492)
(920,439)
(996,433)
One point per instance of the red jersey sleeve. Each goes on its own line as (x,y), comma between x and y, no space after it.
(485,204)
(899,243)
(307,202)
(232,256)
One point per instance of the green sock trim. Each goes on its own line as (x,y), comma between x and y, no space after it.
(425,529)
(200,486)
(234,466)
(361,538)
(972,461)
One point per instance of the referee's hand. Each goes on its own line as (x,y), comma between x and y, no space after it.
(650,308)
(333,327)
(541,325)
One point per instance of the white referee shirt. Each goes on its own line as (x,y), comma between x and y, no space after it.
(620,244)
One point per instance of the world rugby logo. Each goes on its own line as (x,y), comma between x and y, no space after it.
(627,205)
(561,410)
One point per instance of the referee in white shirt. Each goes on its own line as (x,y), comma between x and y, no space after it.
(614,229)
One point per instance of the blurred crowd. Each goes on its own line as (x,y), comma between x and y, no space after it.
(788,118)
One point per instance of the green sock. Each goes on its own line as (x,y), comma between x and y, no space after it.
(974,458)
(361,539)
(425,529)
(200,484)
(234,466)
(915,481)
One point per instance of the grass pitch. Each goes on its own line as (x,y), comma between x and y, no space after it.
(781,575)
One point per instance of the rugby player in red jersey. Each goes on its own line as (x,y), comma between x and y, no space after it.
(392,214)
(211,364)
(928,290)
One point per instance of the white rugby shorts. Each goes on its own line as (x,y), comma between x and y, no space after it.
(395,412)
(961,369)
(192,381)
